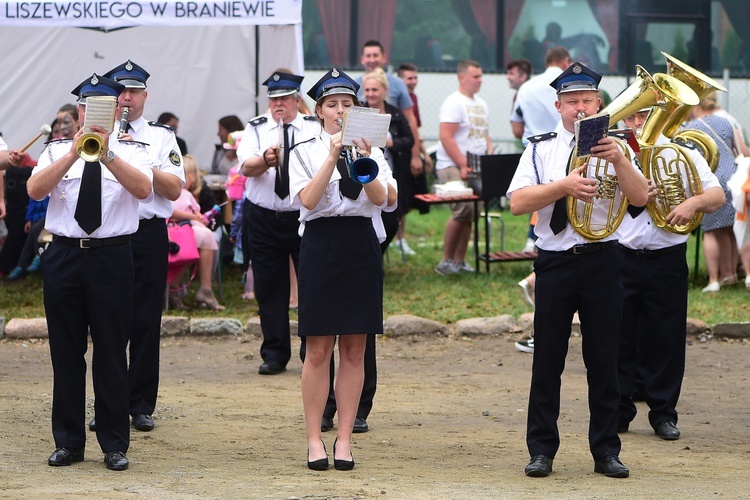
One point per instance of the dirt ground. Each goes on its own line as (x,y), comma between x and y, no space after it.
(448,422)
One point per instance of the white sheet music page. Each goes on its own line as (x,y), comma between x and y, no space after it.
(100,110)
(366,123)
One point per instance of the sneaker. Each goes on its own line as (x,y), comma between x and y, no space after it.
(712,287)
(528,292)
(747,281)
(404,247)
(17,273)
(530,245)
(35,265)
(463,267)
(526,345)
(446,267)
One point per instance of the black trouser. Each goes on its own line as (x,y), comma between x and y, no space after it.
(654,326)
(270,238)
(150,254)
(89,288)
(592,285)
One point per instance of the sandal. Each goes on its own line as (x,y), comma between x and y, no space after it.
(175,301)
(205,297)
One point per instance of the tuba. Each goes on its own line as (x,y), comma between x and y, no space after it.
(601,218)
(668,165)
(703,86)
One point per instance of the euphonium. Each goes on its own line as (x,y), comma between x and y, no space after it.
(669,165)
(362,170)
(703,86)
(601,218)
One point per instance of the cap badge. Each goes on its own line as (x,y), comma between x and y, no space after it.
(94,80)
(276,77)
(129,66)
(577,69)
(335,73)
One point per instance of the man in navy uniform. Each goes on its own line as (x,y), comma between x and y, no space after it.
(150,243)
(270,228)
(573,274)
(88,278)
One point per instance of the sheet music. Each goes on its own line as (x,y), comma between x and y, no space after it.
(366,123)
(100,110)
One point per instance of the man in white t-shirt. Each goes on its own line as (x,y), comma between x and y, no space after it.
(534,111)
(464,128)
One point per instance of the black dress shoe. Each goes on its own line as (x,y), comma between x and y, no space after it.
(611,466)
(326,424)
(360,425)
(271,368)
(65,456)
(539,466)
(342,464)
(668,431)
(92,425)
(622,428)
(320,464)
(143,422)
(116,460)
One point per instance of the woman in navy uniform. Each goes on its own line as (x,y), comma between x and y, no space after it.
(573,274)
(340,273)
(88,279)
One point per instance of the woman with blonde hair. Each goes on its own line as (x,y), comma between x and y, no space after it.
(186,208)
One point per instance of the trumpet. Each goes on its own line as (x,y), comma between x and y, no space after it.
(90,146)
(362,169)
(45,130)
(124,121)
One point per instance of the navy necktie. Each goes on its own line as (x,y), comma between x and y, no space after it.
(635,211)
(347,186)
(88,212)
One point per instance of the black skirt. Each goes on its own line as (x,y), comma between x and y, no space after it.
(340,278)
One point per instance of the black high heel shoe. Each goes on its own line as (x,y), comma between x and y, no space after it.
(320,464)
(342,464)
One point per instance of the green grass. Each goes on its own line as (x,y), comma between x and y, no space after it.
(414,288)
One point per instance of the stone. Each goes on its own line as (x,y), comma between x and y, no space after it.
(20,328)
(218,326)
(526,322)
(696,327)
(406,324)
(253,327)
(174,325)
(727,330)
(496,325)
(2,327)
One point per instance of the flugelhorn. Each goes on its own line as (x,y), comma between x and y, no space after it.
(45,130)
(362,169)
(90,146)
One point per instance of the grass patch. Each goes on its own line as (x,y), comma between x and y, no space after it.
(413,287)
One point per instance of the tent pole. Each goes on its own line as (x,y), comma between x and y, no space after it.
(257,69)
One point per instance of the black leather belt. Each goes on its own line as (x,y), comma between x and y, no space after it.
(92,242)
(591,247)
(652,254)
(277,215)
(151,221)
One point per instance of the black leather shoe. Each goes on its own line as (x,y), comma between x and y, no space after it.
(342,464)
(326,424)
(116,460)
(92,425)
(622,428)
(611,466)
(320,464)
(667,431)
(143,422)
(360,425)
(65,456)
(271,368)
(539,466)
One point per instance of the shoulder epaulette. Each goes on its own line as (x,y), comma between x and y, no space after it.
(135,142)
(543,137)
(162,125)
(58,141)
(683,143)
(258,120)
(297,144)
(309,118)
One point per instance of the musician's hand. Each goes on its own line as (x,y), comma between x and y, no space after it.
(652,191)
(682,213)
(125,137)
(336,145)
(101,132)
(15,157)
(580,187)
(271,156)
(607,149)
(364,148)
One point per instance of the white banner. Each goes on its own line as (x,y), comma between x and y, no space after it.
(110,15)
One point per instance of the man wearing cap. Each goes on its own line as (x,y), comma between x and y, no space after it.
(573,274)
(88,278)
(270,225)
(655,282)
(150,243)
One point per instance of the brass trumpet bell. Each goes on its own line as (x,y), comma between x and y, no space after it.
(90,146)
